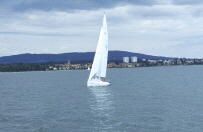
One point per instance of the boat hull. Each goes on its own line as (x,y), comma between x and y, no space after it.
(97,84)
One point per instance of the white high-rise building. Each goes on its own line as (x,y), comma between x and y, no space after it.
(126,59)
(134,59)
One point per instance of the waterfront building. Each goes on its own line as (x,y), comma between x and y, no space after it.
(126,59)
(134,59)
(179,62)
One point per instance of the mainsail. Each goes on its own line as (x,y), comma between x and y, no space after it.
(100,59)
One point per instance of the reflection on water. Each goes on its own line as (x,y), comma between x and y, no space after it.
(102,107)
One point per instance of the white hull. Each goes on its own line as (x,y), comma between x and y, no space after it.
(97,83)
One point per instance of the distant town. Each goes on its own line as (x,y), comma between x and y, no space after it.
(128,62)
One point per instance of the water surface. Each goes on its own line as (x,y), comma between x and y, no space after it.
(149,99)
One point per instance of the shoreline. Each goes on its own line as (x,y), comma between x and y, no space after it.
(89,70)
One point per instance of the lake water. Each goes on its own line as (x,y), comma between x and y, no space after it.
(153,99)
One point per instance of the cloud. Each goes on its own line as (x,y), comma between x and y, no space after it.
(70,5)
(156,27)
(187,2)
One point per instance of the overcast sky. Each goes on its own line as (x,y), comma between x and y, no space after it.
(172,28)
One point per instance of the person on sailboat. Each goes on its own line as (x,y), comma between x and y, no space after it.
(102,79)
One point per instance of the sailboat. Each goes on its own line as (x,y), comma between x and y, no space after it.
(98,72)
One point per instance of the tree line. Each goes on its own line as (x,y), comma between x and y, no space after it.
(23,67)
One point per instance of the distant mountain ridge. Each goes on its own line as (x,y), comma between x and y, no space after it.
(73,56)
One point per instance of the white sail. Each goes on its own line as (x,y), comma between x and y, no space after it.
(104,42)
(100,59)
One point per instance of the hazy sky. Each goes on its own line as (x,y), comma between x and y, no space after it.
(172,28)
